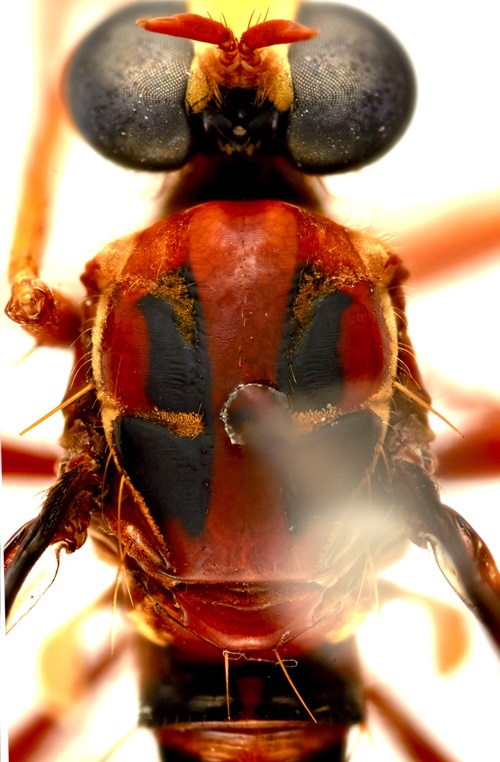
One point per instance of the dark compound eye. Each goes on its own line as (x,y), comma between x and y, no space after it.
(353,83)
(354,90)
(126,90)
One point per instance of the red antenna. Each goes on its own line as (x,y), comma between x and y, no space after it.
(195,27)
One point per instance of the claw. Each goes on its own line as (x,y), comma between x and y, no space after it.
(31,302)
(50,317)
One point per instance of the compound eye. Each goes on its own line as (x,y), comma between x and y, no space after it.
(125,90)
(354,91)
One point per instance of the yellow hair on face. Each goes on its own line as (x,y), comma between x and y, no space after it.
(275,81)
(238,14)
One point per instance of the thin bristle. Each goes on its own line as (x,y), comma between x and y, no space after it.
(280,662)
(426,405)
(226,673)
(63,405)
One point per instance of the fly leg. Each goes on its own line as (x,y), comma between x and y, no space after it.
(460,553)
(49,316)
(63,520)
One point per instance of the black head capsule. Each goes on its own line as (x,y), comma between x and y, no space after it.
(240,128)
(352,95)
